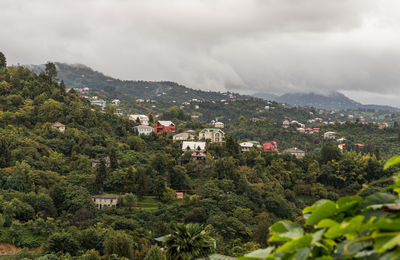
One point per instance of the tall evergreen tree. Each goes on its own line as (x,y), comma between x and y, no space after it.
(130,180)
(51,70)
(141,183)
(113,159)
(101,175)
(3,61)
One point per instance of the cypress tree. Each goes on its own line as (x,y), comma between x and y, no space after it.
(101,175)
(3,61)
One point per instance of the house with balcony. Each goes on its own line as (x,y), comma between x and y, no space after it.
(215,135)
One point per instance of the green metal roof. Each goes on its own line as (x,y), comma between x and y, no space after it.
(210,130)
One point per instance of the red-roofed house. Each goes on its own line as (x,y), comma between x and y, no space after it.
(270,146)
(59,126)
(164,127)
(359,145)
(309,130)
(341,147)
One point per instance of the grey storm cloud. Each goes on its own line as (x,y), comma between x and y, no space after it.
(272,46)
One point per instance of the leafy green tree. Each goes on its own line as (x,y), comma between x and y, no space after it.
(136,143)
(159,186)
(90,255)
(62,242)
(18,210)
(330,152)
(179,179)
(113,159)
(154,253)
(130,180)
(119,243)
(51,70)
(151,118)
(168,195)
(142,183)
(226,168)
(129,200)
(101,175)
(42,203)
(232,146)
(189,241)
(3,61)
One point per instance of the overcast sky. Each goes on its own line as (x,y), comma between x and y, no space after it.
(272,46)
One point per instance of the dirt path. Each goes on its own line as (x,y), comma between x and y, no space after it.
(8,249)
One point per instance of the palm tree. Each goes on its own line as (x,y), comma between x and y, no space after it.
(188,242)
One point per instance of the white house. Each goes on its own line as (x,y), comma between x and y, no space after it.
(296,152)
(219,125)
(144,120)
(103,201)
(329,135)
(99,102)
(285,124)
(193,146)
(301,130)
(116,102)
(143,129)
(183,136)
(246,146)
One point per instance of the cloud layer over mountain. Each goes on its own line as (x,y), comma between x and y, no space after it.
(248,46)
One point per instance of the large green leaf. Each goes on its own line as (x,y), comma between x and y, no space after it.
(321,211)
(386,224)
(389,244)
(378,198)
(327,223)
(349,204)
(391,162)
(302,253)
(301,242)
(260,253)
(285,231)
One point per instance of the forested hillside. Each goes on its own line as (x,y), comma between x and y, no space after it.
(81,76)
(48,178)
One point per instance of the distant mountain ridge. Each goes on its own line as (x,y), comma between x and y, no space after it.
(334,100)
(80,76)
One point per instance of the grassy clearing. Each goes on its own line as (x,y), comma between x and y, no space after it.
(152,203)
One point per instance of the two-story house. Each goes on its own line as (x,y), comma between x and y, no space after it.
(143,119)
(215,135)
(103,201)
(164,127)
(143,129)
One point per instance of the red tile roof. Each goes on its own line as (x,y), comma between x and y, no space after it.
(58,124)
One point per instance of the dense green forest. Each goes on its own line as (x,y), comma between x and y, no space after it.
(47,179)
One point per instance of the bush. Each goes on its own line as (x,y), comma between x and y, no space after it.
(119,243)
(62,242)
(154,253)
(169,195)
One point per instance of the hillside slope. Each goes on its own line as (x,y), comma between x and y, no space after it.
(80,76)
(333,100)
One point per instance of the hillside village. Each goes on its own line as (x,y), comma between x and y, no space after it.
(90,172)
(199,130)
